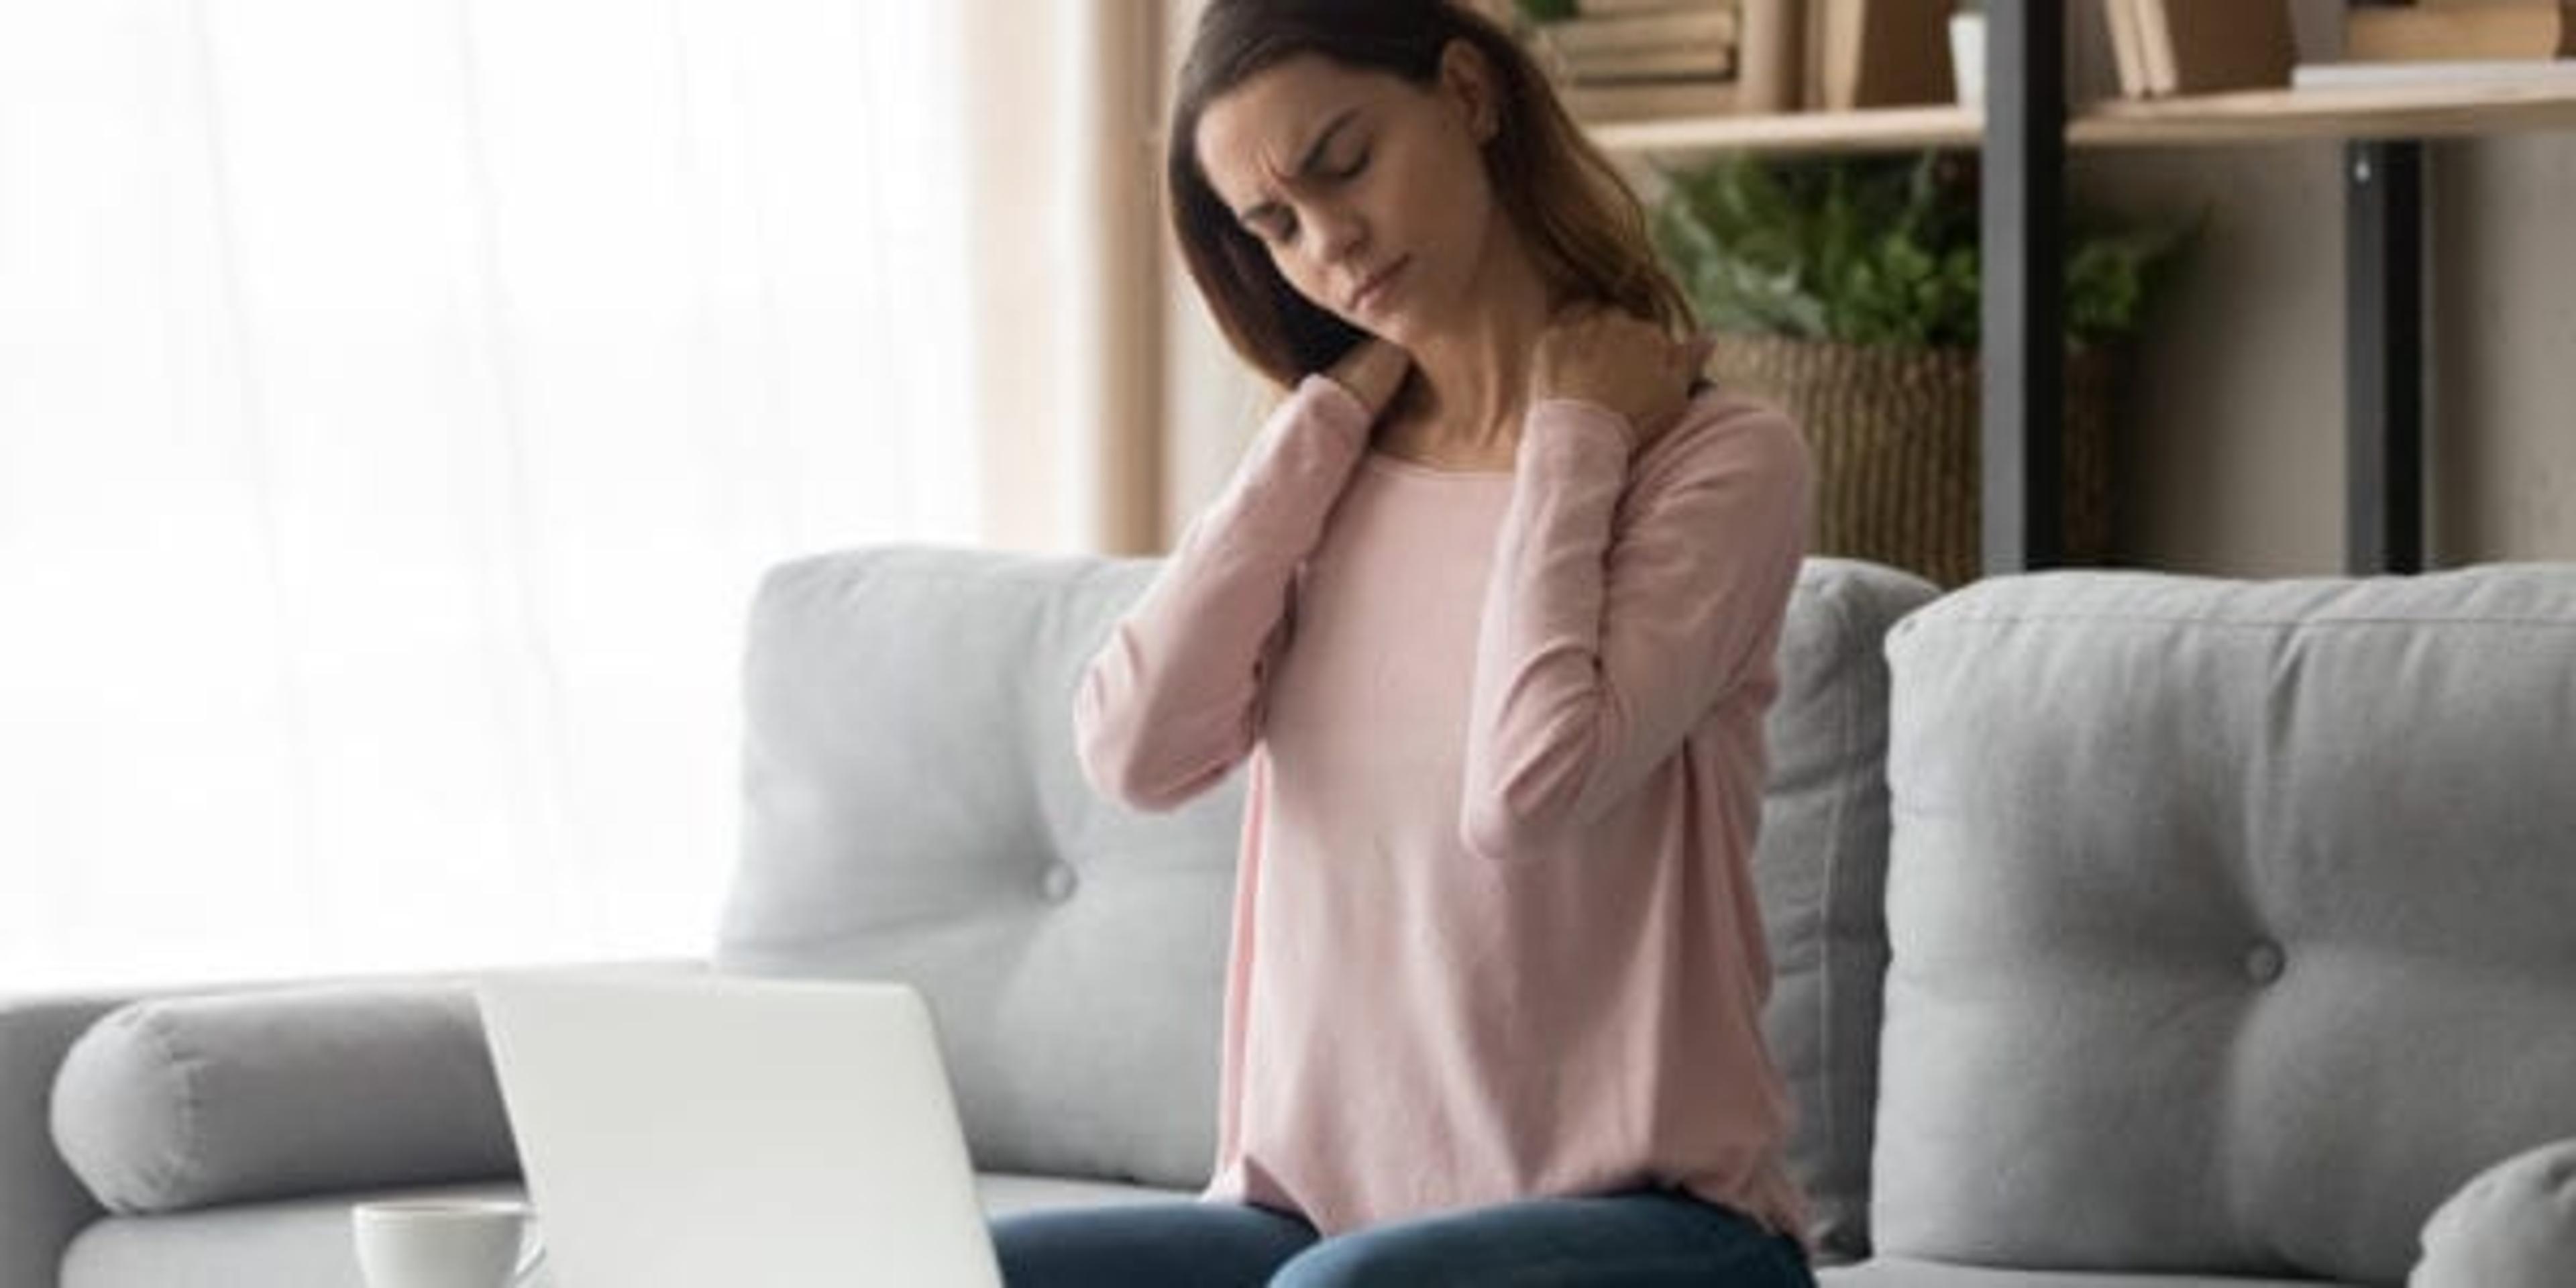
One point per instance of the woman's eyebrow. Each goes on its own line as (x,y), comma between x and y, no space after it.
(1314,158)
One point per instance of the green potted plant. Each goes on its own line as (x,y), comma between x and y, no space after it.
(1846,289)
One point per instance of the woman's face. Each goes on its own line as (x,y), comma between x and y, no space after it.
(1369,192)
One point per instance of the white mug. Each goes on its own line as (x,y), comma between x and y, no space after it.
(444,1243)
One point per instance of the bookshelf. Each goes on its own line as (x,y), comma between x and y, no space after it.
(2023,133)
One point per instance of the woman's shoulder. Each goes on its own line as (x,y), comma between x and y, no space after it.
(1725,430)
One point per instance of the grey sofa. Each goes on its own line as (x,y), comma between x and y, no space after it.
(2233,931)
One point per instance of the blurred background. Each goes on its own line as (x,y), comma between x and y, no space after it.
(400,399)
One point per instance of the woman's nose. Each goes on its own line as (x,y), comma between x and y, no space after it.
(1338,233)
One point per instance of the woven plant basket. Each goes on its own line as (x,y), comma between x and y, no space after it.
(1894,433)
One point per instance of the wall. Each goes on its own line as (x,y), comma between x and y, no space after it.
(2504,296)
(2232,455)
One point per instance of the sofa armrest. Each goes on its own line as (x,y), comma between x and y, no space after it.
(2511,1226)
(42,1203)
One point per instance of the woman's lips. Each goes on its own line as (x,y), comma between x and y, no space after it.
(1374,289)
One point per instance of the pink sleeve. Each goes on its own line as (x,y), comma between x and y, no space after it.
(1173,700)
(1601,650)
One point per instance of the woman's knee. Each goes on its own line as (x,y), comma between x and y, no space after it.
(1146,1245)
(1643,1241)
(1345,1263)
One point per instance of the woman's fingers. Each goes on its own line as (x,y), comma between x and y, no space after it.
(1373,370)
(1696,352)
(1624,362)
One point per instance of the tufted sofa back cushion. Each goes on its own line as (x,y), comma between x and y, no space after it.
(913,810)
(2234,923)
(1820,871)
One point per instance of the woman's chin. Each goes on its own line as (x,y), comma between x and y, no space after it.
(1396,329)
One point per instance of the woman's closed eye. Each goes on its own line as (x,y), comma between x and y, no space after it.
(1282,229)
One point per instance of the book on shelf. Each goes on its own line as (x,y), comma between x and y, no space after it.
(2169,47)
(1679,63)
(2128,47)
(1811,54)
(2434,71)
(1771,56)
(1585,36)
(1651,100)
(2459,31)
(1676,51)
(1882,53)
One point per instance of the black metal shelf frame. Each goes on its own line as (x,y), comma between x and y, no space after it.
(2023,232)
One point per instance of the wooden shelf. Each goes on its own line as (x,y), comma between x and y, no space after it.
(1896,129)
(2379,112)
(2256,116)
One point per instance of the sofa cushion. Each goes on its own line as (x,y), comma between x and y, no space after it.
(304,1243)
(2231,920)
(42,1204)
(913,810)
(283,1243)
(1821,869)
(187,1101)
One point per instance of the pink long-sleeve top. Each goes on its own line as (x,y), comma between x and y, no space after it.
(1495,934)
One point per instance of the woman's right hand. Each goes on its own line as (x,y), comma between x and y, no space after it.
(1373,370)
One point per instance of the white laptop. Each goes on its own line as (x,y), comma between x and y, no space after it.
(681,1131)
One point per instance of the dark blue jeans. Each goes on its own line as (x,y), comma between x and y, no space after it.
(1647,1239)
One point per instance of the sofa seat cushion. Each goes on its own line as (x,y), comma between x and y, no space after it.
(290,1243)
(1003,1193)
(1899,1273)
(2231,920)
(304,1243)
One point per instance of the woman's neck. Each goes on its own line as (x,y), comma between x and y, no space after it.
(1464,399)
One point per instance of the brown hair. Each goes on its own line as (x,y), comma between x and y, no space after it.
(1582,223)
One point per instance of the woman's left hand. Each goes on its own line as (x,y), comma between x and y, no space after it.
(1622,362)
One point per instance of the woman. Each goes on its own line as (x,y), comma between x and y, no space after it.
(1490,607)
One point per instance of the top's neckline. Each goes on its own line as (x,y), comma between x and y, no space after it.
(1399,465)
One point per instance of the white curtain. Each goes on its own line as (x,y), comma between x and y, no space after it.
(399,400)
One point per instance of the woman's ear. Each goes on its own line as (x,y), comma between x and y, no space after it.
(1467,78)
